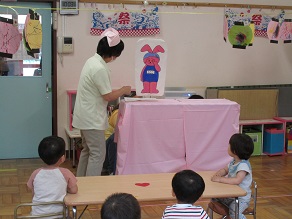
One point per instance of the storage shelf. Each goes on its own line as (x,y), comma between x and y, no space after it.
(259,126)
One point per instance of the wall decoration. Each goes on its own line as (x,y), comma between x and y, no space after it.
(32,33)
(273,30)
(245,15)
(225,28)
(142,23)
(150,67)
(10,38)
(252,27)
(240,35)
(286,31)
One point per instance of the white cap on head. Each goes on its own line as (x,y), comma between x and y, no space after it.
(112,36)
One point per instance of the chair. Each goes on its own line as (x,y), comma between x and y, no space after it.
(19,215)
(254,195)
(224,211)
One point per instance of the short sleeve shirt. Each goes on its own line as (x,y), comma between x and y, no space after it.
(90,111)
(50,184)
(243,165)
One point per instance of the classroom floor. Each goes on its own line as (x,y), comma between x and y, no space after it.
(272,174)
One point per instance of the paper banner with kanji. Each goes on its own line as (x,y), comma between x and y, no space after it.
(150,67)
(128,23)
(260,20)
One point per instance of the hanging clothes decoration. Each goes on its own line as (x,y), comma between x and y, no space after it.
(245,15)
(32,33)
(10,37)
(150,67)
(240,35)
(286,31)
(127,23)
(273,30)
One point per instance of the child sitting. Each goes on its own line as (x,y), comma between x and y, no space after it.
(121,206)
(187,187)
(51,182)
(237,172)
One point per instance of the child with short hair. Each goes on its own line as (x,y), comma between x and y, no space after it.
(237,172)
(121,206)
(51,182)
(187,187)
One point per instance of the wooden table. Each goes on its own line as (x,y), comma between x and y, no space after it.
(95,189)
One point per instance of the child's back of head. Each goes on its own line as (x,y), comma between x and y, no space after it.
(188,186)
(121,206)
(242,145)
(51,149)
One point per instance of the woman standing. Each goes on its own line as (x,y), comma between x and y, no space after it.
(93,94)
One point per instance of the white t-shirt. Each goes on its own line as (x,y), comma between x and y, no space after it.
(90,108)
(50,184)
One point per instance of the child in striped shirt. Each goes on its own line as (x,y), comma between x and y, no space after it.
(187,187)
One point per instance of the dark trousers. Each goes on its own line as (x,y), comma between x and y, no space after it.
(111,155)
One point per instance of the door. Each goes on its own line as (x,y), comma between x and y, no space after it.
(25,94)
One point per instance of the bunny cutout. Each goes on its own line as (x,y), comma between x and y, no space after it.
(150,73)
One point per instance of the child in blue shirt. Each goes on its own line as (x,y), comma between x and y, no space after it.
(237,172)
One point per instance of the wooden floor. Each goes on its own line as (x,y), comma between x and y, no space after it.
(272,174)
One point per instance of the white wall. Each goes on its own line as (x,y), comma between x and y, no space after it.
(198,57)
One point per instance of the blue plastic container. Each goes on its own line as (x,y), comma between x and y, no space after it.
(274,141)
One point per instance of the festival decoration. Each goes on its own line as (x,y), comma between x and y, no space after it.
(286,31)
(273,30)
(127,23)
(32,33)
(260,20)
(252,27)
(10,38)
(240,35)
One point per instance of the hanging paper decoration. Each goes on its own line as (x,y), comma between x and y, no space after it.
(10,38)
(225,28)
(273,30)
(252,27)
(32,33)
(240,35)
(150,67)
(260,20)
(286,31)
(127,23)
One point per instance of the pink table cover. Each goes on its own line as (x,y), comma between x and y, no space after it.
(168,135)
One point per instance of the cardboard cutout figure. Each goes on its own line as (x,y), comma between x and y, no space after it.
(150,67)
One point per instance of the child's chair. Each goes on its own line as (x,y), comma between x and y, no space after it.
(254,195)
(21,207)
(224,211)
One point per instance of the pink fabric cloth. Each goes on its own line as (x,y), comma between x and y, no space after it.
(169,135)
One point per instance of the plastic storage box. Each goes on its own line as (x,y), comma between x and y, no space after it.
(256,136)
(273,141)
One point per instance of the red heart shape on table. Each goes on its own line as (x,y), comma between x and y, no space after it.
(142,184)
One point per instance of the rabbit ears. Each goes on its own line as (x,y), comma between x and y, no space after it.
(147,48)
